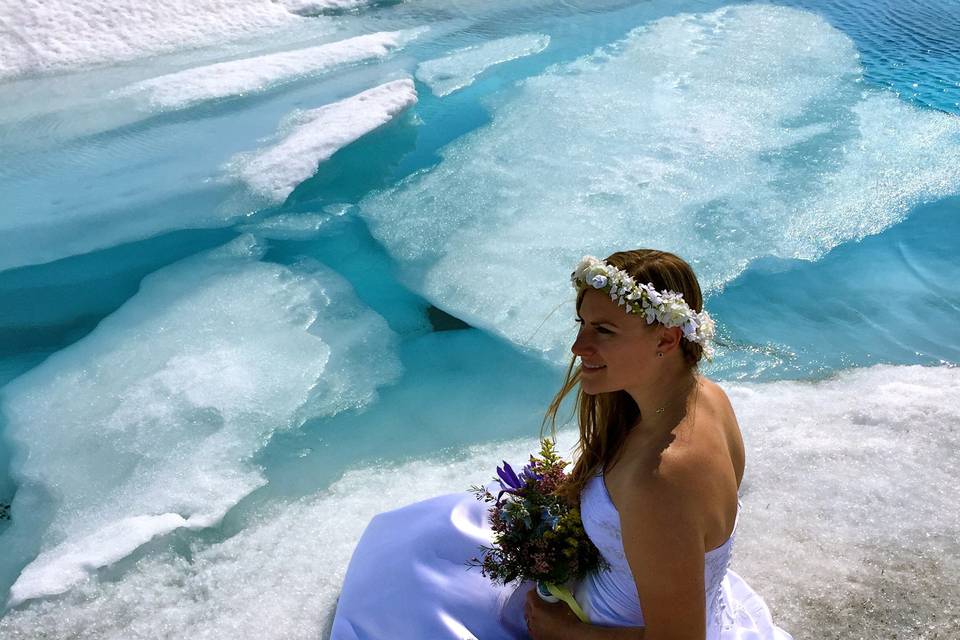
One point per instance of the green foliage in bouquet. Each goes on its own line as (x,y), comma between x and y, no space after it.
(538,535)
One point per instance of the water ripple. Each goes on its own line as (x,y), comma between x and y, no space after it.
(911,46)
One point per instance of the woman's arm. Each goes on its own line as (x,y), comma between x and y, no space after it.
(663,538)
(593,632)
(557,622)
(663,531)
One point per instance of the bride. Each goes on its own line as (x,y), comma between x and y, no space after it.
(659,465)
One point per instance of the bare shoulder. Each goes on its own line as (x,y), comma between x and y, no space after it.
(705,444)
(667,502)
(719,422)
(674,492)
(697,477)
(716,392)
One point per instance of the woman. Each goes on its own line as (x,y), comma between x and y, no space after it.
(657,476)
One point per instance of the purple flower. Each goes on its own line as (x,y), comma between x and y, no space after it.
(529,475)
(509,481)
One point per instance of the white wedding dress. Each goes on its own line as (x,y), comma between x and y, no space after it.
(409,579)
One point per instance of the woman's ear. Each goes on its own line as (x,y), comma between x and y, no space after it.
(669,338)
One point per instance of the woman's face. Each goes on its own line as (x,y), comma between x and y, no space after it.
(616,349)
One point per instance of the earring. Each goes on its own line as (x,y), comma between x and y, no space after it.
(659,354)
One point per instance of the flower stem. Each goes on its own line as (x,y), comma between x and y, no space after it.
(564,594)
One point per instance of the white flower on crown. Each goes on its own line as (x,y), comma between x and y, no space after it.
(667,307)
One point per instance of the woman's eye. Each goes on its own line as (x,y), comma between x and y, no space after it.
(599,329)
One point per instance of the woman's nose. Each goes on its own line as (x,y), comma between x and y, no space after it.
(582,346)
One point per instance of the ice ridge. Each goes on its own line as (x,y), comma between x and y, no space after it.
(275,171)
(460,68)
(253,75)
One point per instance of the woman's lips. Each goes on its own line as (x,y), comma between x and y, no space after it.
(587,369)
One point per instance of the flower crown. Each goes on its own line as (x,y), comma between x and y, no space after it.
(666,307)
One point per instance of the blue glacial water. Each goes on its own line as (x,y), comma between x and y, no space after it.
(207,387)
(908,46)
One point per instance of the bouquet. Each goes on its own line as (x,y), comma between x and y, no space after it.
(538,536)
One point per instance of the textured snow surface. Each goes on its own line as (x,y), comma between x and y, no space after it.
(873,439)
(38,36)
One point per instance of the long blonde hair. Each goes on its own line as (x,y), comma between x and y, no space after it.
(605,418)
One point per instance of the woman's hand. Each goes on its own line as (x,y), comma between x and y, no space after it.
(549,621)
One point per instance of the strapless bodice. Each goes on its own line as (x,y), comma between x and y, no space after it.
(610,596)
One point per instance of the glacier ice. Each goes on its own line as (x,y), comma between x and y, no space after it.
(149,423)
(725,136)
(252,75)
(274,171)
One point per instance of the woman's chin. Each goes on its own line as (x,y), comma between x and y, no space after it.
(591,387)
